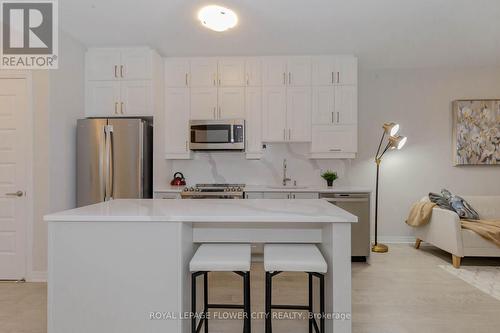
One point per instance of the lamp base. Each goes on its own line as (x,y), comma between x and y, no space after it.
(380,248)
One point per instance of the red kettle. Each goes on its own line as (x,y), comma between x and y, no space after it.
(178,180)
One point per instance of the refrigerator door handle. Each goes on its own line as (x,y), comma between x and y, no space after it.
(108,129)
(112,163)
(141,159)
(102,165)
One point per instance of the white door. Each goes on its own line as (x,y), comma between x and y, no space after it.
(102,99)
(232,72)
(323,71)
(346,70)
(298,114)
(177,122)
(346,105)
(14,175)
(253,124)
(136,64)
(299,71)
(176,72)
(323,105)
(103,64)
(273,114)
(274,71)
(203,72)
(136,98)
(203,104)
(253,69)
(231,103)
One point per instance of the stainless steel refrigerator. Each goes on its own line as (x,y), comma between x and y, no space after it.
(114,159)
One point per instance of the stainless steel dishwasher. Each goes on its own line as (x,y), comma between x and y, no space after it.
(357,204)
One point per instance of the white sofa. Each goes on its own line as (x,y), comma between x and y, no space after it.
(444,230)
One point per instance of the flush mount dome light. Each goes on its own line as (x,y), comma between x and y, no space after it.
(217,18)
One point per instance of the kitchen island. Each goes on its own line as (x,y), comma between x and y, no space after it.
(113,264)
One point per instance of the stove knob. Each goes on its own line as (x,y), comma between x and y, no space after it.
(186,189)
(226,189)
(197,189)
(191,189)
(239,189)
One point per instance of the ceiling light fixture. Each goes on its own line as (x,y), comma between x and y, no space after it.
(217,18)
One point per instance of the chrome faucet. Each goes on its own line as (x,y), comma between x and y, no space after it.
(285,178)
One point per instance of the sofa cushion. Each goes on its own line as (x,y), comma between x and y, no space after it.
(488,207)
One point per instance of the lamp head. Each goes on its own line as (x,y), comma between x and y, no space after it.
(397,142)
(391,128)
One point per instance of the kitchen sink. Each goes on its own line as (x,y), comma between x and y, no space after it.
(290,187)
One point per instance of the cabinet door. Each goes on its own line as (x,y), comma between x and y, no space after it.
(323,71)
(298,114)
(231,103)
(346,70)
(231,72)
(203,103)
(176,72)
(274,71)
(334,139)
(102,99)
(254,195)
(253,70)
(346,105)
(136,98)
(299,71)
(273,114)
(103,64)
(136,64)
(323,105)
(177,122)
(253,123)
(304,195)
(203,72)
(276,195)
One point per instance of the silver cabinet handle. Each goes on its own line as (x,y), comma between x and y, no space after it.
(332,116)
(289,77)
(116,68)
(186,79)
(121,107)
(332,79)
(121,71)
(15,194)
(338,117)
(116,107)
(186,145)
(220,112)
(215,79)
(336,149)
(338,77)
(284,78)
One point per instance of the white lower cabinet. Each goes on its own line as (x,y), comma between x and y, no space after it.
(282,195)
(177,123)
(276,195)
(167,195)
(253,122)
(305,195)
(254,195)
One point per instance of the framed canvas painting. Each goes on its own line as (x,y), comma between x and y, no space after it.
(476,132)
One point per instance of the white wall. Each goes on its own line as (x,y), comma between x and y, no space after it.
(420,100)
(59,101)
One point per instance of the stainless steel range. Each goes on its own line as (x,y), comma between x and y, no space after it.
(214,191)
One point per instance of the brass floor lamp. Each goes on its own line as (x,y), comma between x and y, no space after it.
(394,142)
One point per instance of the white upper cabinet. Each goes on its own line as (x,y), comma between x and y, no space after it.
(204,103)
(334,141)
(102,99)
(253,122)
(231,72)
(103,64)
(274,114)
(177,123)
(136,98)
(274,71)
(203,72)
(135,64)
(299,71)
(298,114)
(346,105)
(231,103)
(177,72)
(323,105)
(334,70)
(253,72)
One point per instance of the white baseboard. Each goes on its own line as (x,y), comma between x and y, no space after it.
(396,239)
(37,276)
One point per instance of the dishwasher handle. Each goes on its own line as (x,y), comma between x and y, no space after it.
(335,200)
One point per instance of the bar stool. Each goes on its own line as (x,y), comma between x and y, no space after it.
(295,258)
(220,258)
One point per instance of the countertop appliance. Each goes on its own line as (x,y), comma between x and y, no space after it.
(178,180)
(214,191)
(217,134)
(114,159)
(357,204)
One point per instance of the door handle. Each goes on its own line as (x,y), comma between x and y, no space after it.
(289,77)
(15,194)
(338,77)
(116,68)
(116,107)
(121,107)
(186,79)
(121,71)
(220,112)
(332,118)
(332,79)
(284,78)
(338,117)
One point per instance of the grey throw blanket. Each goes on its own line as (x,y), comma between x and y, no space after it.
(452,202)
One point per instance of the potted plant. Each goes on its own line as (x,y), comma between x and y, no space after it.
(329,176)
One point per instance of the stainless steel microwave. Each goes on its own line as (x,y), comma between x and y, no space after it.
(217,134)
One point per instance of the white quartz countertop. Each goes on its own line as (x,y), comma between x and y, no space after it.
(207,210)
(269,188)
